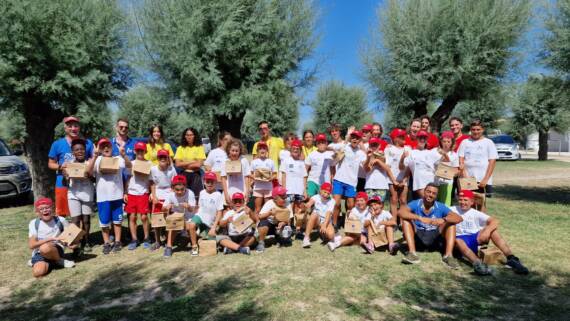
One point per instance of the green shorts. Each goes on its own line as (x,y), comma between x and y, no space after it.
(199,224)
(312,188)
(444,194)
(382,193)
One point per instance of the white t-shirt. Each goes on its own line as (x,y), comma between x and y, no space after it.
(295,173)
(362,216)
(393,155)
(383,216)
(46,230)
(320,164)
(422,164)
(473,221)
(283,155)
(347,169)
(231,227)
(321,207)
(361,170)
(188,198)
(208,206)
(376,179)
(81,189)
(138,184)
(268,206)
(109,186)
(161,180)
(236,183)
(453,162)
(262,163)
(217,161)
(477,154)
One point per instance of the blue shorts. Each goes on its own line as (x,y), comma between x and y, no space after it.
(340,188)
(110,210)
(471,241)
(37,257)
(295,198)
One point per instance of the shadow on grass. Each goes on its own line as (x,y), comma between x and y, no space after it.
(550,195)
(118,293)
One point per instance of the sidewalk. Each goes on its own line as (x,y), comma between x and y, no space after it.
(531,154)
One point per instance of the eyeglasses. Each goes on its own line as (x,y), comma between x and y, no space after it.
(123,127)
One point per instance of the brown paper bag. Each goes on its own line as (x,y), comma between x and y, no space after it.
(377,236)
(446,171)
(157,220)
(242,223)
(352,226)
(379,155)
(300,218)
(492,256)
(480,200)
(233,167)
(281,214)
(468,183)
(109,165)
(75,170)
(207,248)
(71,234)
(262,174)
(175,222)
(142,167)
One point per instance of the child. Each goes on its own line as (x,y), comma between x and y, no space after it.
(210,206)
(394,153)
(450,158)
(110,194)
(319,165)
(47,249)
(137,199)
(286,152)
(378,174)
(267,222)
(359,212)
(382,220)
(294,179)
(421,164)
(81,196)
(179,200)
(216,159)
(234,241)
(262,189)
(161,176)
(321,217)
(236,183)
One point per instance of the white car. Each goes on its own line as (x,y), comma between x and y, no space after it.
(15,179)
(506,146)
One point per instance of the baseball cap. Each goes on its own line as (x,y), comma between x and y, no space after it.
(422,133)
(397,132)
(447,134)
(321,138)
(238,196)
(376,199)
(362,195)
(367,128)
(178,179)
(326,187)
(140,146)
(70,119)
(210,176)
(296,143)
(466,193)
(261,144)
(278,191)
(43,201)
(356,133)
(374,140)
(103,141)
(162,152)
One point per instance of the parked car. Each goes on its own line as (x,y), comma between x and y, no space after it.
(15,178)
(507,148)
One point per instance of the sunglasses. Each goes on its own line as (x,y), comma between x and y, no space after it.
(181,189)
(237,201)
(123,127)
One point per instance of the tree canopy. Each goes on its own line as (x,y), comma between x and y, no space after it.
(558,40)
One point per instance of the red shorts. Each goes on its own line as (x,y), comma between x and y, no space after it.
(158,207)
(137,204)
(61,206)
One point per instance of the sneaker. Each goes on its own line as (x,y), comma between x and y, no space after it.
(106,248)
(367,248)
(260,248)
(411,258)
(167,252)
(245,250)
(227,251)
(146,244)
(481,268)
(117,247)
(286,232)
(332,246)
(133,245)
(88,248)
(450,262)
(155,246)
(194,251)
(306,242)
(65,263)
(515,264)
(393,248)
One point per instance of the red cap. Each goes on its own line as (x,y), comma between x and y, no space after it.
(140,146)
(326,187)
(178,179)
(376,199)
(103,141)
(278,191)
(396,132)
(362,195)
(162,152)
(466,193)
(356,133)
(374,140)
(43,201)
(261,144)
(297,143)
(238,196)
(447,134)
(210,176)
(367,128)
(70,119)
(321,138)
(422,133)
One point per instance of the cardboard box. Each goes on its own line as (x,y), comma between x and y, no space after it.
(281,214)
(242,223)
(378,236)
(75,170)
(300,218)
(480,200)
(109,165)
(352,226)
(157,220)
(233,167)
(469,183)
(175,222)
(446,171)
(380,156)
(207,248)
(71,234)
(338,155)
(262,174)
(492,256)
(142,167)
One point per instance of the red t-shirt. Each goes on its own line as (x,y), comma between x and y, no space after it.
(383,145)
(413,143)
(433,141)
(458,141)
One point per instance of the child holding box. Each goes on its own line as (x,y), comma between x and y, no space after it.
(294,179)
(268,224)
(321,217)
(382,220)
(358,212)
(161,176)
(235,241)
(236,182)
(179,200)
(262,188)
(378,174)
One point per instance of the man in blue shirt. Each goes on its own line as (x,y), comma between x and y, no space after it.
(59,155)
(427,223)
(122,139)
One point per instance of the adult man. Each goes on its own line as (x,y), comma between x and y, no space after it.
(59,155)
(275,144)
(427,223)
(433,141)
(478,228)
(456,126)
(122,139)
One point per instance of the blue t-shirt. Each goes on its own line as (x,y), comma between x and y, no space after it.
(129,147)
(438,210)
(60,150)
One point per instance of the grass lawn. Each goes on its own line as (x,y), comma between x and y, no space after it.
(532,201)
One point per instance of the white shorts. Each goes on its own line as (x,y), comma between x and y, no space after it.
(77,207)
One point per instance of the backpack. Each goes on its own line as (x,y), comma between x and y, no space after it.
(58,222)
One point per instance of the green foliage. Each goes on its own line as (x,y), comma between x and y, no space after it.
(96,122)
(341,104)
(489,108)
(12,126)
(558,41)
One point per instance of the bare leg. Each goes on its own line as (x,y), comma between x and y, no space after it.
(49,252)
(349,204)
(258,204)
(393,200)
(170,238)
(403,194)
(230,244)
(40,269)
(389,234)
(262,233)
(86,226)
(409,235)
(105,232)
(146,229)
(133,225)
(348,240)
(501,243)
(466,251)
(329,235)
(247,241)
(311,225)
(117,228)
(192,231)
(336,212)
(449,234)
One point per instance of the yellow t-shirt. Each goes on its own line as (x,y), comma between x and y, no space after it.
(151,152)
(188,153)
(307,151)
(275,144)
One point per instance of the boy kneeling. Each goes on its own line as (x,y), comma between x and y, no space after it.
(180,200)
(237,239)
(268,224)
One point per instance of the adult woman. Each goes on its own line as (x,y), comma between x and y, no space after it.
(421,163)
(155,143)
(190,156)
(308,143)
(411,139)
(446,185)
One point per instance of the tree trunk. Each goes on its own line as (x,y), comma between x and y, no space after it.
(419,108)
(231,124)
(443,112)
(40,121)
(542,145)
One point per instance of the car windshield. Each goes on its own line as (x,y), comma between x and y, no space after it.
(4,151)
(502,140)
